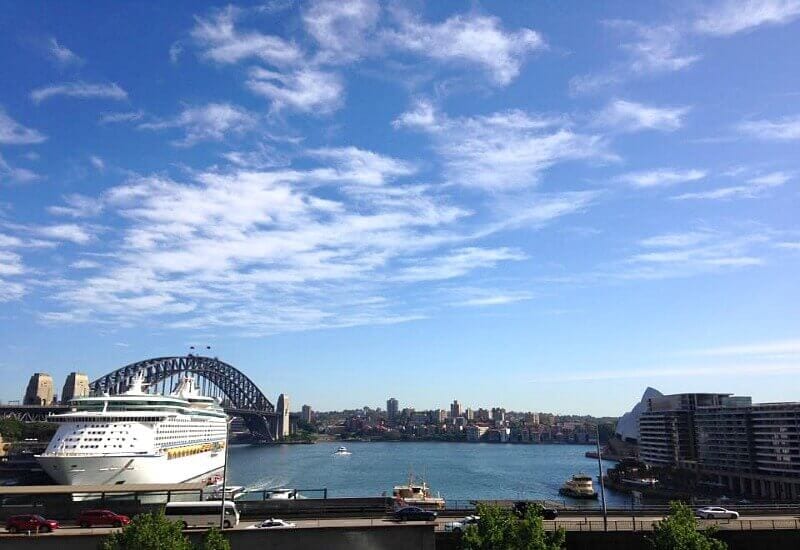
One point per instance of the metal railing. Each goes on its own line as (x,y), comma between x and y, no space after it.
(594,525)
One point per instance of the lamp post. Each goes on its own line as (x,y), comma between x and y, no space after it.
(224,475)
(602,485)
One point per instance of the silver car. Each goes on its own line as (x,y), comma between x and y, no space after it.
(717,512)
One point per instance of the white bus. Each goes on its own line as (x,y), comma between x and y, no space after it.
(202,514)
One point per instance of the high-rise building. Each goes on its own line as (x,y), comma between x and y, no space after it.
(750,449)
(392,406)
(76,385)
(284,424)
(667,433)
(455,409)
(306,414)
(468,414)
(40,390)
(498,414)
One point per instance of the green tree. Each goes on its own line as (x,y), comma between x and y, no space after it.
(213,540)
(679,531)
(500,529)
(148,532)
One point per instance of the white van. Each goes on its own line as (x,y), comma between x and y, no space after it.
(202,514)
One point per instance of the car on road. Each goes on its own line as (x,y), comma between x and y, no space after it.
(521,508)
(414,513)
(273,523)
(91,518)
(717,512)
(460,525)
(24,523)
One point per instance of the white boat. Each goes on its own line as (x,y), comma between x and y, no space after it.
(416,494)
(137,437)
(282,494)
(342,451)
(580,486)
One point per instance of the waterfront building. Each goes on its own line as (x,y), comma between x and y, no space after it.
(40,390)
(76,385)
(474,432)
(498,414)
(305,414)
(731,443)
(392,406)
(438,416)
(284,423)
(455,409)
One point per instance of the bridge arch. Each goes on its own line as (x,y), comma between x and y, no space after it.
(241,392)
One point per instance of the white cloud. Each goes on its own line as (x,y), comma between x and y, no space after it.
(268,251)
(80,90)
(504,150)
(661,177)
(306,90)
(341,28)
(784,129)
(629,116)
(127,116)
(774,349)
(360,166)
(62,55)
(457,263)
(78,206)
(175,51)
(656,48)
(677,240)
(14,133)
(490,297)
(85,264)
(682,371)
(13,174)
(98,163)
(690,253)
(64,232)
(223,43)
(757,187)
(727,17)
(653,50)
(211,122)
(471,39)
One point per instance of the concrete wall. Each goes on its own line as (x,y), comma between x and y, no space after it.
(780,539)
(405,537)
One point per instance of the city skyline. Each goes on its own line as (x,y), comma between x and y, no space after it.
(519,205)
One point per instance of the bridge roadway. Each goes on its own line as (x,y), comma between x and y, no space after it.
(593,523)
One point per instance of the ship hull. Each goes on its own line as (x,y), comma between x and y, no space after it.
(130,469)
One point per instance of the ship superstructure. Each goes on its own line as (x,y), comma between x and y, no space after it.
(136,437)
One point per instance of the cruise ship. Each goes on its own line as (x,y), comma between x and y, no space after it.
(136,437)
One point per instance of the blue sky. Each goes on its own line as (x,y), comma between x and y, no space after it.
(544,206)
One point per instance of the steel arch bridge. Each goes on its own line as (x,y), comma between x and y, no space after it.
(241,397)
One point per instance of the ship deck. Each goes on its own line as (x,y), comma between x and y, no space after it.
(13,490)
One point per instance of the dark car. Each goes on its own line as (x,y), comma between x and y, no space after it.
(90,518)
(30,522)
(521,508)
(412,513)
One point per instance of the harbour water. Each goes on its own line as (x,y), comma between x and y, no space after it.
(459,471)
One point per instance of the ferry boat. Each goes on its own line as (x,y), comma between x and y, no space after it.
(136,437)
(342,451)
(580,486)
(416,494)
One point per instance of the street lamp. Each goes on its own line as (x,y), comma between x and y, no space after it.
(224,476)
(602,485)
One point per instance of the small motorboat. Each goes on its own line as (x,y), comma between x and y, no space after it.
(342,451)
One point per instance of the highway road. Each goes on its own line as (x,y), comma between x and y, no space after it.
(592,523)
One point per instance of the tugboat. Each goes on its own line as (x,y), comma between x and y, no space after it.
(416,494)
(580,486)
